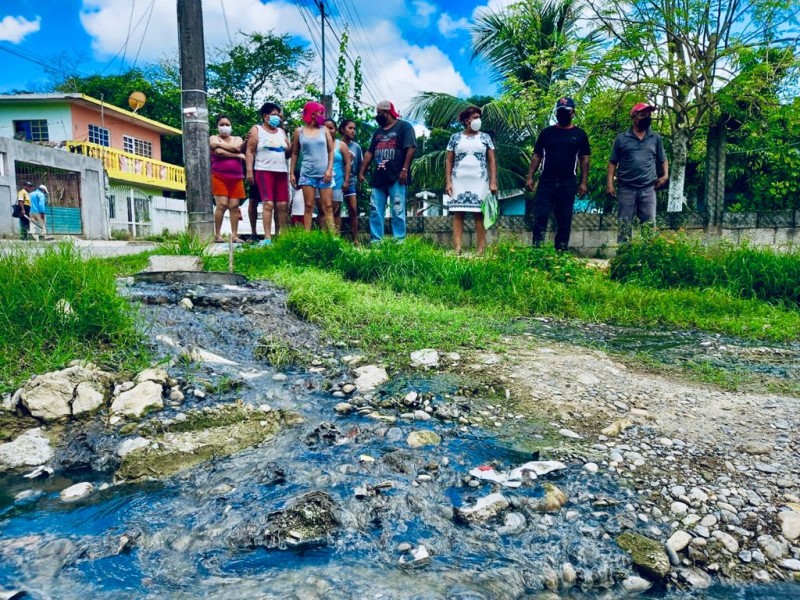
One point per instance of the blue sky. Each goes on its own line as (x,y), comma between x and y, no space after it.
(409,45)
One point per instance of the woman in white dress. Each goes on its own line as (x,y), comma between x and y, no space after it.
(470,175)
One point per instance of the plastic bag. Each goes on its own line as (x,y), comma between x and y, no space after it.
(16,211)
(490,210)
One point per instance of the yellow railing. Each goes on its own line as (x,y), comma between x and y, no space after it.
(133,168)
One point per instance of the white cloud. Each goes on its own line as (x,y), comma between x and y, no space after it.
(399,70)
(14,29)
(424,12)
(493,6)
(449,27)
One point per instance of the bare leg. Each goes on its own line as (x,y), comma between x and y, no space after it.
(282,221)
(481,231)
(219,214)
(337,217)
(326,208)
(252,213)
(352,209)
(308,200)
(235,214)
(458,230)
(266,218)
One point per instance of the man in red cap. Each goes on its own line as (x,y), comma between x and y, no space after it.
(636,157)
(393,145)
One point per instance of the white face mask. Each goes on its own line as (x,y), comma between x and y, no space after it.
(475,124)
(225,129)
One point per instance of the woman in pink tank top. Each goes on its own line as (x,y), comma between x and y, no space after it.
(227,177)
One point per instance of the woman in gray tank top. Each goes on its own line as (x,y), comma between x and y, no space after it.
(316,172)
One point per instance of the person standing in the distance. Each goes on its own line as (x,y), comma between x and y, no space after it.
(347,129)
(393,145)
(316,171)
(635,158)
(561,146)
(38,211)
(226,177)
(342,161)
(24,203)
(470,175)
(268,149)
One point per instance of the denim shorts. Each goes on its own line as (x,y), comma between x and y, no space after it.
(315,182)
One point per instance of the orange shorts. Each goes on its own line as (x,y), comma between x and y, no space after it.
(230,188)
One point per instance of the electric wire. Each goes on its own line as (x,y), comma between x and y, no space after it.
(144,33)
(128,36)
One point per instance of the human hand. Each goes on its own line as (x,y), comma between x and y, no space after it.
(661,182)
(611,191)
(293,181)
(249,178)
(448,188)
(361,178)
(328,176)
(529,184)
(403,177)
(583,189)
(493,187)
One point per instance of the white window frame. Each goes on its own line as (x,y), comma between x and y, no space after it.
(136,146)
(99,135)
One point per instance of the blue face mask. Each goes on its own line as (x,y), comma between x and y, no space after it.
(274,120)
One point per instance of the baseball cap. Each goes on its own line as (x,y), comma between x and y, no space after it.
(639,106)
(386,105)
(28,184)
(44,188)
(565,102)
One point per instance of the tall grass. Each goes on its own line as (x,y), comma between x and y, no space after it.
(57,306)
(185,244)
(520,281)
(665,261)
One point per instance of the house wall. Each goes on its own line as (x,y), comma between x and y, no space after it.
(83,116)
(58,116)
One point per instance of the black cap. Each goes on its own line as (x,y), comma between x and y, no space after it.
(565,102)
(28,184)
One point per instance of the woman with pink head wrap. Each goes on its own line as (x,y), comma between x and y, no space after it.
(316,173)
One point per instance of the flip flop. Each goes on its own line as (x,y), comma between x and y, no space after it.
(238,241)
(219,241)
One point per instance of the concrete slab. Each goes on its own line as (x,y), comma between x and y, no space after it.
(166,263)
(201,277)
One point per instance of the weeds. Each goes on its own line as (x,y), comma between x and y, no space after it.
(56,307)
(185,244)
(277,352)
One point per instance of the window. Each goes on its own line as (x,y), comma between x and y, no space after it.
(136,146)
(98,135)
(31,131)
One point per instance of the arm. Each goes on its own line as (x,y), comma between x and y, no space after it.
(410,151)
(364,165)
(347,164)
(250,156)
(536,160)
(448,173)
(288,153)
(295,154)
(612,169)
(662,181)
(583,186)
(228,154)
(215,142)
(492,160)
(329,140)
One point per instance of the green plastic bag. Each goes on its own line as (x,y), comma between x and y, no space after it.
(490,210)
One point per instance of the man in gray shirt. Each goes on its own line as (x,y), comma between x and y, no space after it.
(635,156)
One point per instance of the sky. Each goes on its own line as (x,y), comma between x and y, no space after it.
(409,46)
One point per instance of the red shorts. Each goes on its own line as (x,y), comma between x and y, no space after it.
(272,185)
(297,219)
(230,188)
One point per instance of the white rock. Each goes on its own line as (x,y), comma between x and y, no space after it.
(591,467)
(421,415)
(187,304)
(588,379)
(135,402)
(513,523)
(679,540)
(418,439)
(343,408)
(419,558)
(727,540)
(568,433)
(568,574)
(484,509)
(426,358)
(370,377)
(636,585)
(790,524)
(156,374)
(130,444)
(792,564)
(49,396)
(279,377)
(678,509)
(29,449)
(89,396)
(77,491)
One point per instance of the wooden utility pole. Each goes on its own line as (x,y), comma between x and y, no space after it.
(195,117)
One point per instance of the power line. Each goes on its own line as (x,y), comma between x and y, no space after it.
(144,34)
(127,37)
(225,18)
(352,63)
(306,13)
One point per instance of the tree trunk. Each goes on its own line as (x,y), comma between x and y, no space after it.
(715,175)
(677,170)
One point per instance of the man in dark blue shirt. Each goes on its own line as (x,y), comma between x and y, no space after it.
(562,147)
(635,158)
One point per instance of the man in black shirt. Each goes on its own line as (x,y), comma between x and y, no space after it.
(561,146)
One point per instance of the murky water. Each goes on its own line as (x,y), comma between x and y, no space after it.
(180,538)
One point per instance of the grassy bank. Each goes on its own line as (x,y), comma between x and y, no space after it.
(511,281)
(55,307)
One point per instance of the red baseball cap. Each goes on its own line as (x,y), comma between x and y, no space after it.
(386,105)
(639,106)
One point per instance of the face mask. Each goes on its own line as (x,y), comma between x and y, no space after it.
(382,120)
(320,119)
(475,125)
(645,122)
(225,129)
(274,120)
(563,117)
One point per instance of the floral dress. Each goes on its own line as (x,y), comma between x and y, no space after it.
(470,171)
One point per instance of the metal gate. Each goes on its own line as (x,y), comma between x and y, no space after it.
(63,215)
(129,212)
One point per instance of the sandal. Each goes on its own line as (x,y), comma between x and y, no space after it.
(219,241)
(238,240)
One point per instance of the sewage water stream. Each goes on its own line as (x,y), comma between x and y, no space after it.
(182,537)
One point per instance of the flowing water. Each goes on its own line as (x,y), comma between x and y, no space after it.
(181,538)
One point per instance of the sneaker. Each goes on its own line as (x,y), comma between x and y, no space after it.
(265,243)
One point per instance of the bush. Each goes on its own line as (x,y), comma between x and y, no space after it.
(56,307)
